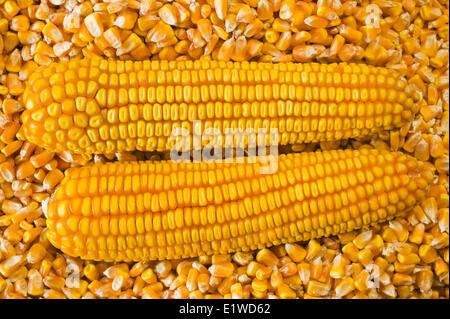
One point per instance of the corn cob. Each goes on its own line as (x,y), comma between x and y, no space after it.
(100,106)
(166,210)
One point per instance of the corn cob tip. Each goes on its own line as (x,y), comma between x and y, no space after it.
(162,210)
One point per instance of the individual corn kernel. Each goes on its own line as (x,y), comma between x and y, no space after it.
(285,292)
(11,8)
(267,257)
(35,283)
(345,287)
(52,32)
(363,239)
(313,250)
(351,251)
(263,273)
(408,258)
(401,279)
(222,269)
(91,272)
(425,280)
(417,234)
(319,289)
(149,276)
(339,266)
(36,253)
(427,253)
(296,252)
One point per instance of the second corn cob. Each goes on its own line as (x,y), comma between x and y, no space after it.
(101,106)
(163,210)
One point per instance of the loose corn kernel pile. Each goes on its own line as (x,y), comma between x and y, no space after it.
(407,257)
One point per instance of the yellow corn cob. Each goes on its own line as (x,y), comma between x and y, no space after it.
(166,210)
(100,106)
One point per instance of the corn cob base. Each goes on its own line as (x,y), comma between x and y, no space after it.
(100,106)
(163,210)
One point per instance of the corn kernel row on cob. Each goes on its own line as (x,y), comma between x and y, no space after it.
(100,106)
(164,210)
